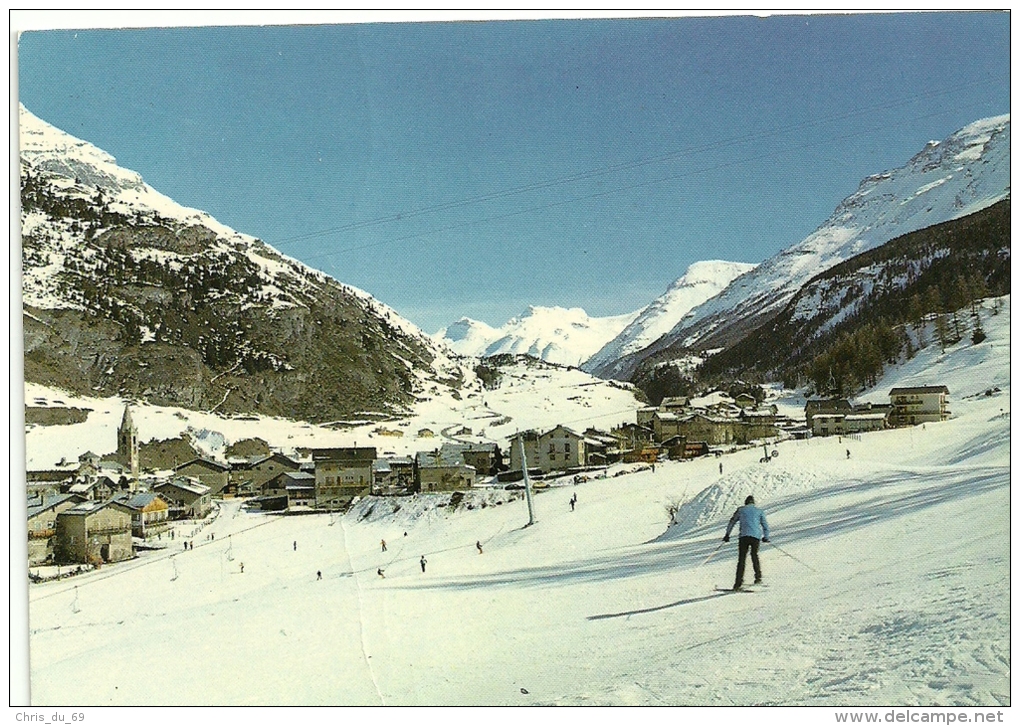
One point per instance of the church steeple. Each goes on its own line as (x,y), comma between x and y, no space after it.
(127,444)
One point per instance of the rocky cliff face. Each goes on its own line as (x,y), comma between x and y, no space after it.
(126,292)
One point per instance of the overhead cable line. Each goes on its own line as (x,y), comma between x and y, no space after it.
(615,168)
(594,195)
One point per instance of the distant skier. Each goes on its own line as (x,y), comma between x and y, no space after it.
(848,453)
(318,574)
(380,573)
(478,544)
(423,563)
(242,568)
(382,542)
(573,502)
(295,545)
(720,468)
(754,529)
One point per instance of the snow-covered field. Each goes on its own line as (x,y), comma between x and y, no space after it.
(891,587)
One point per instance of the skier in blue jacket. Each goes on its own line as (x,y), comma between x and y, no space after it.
(754,529)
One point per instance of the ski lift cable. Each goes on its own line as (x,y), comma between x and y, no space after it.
(627,165)
(587,197)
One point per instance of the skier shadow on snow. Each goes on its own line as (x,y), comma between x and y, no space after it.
(642,611)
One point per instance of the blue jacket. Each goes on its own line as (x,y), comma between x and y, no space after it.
(752,522)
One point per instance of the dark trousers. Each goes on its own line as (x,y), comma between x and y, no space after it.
(747,543)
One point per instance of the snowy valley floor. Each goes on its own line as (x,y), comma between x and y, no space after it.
(899,593)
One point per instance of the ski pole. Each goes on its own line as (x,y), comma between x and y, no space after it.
(714,552)
(795,559)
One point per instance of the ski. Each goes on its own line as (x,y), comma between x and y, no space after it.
(743,589)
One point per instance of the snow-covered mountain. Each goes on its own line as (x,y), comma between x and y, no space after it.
(127,292)
(566,336)
(966,172)
(701,281)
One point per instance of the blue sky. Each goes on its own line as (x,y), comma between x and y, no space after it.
(475,168)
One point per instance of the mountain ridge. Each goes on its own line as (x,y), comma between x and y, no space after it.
(125,291)
(948,179)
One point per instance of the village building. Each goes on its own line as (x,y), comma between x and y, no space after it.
(248,475)
(49,482)
(188,498)
(675,447)
(426,433)
(393,476)
(676,404)
(559,449)
(150,513)
(825,406)
(745,400)
(864,421)
(297,486)
(632,437)
(562,448)
(759,423)
(94,532)
(485,458)
(603,447)
(529,439)
(443,471)
(918,404)
(827,424)
(213,474)
(42,525)
(645,416)
(666,424)
(712,429)
(342,474)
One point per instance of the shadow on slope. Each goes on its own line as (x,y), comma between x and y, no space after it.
(690,551)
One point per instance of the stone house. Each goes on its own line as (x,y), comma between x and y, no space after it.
(558,449)
(94,532)
(863,421)
(188,498)
(342,474)
(150,513)
(486,458)
(49,482)
(645,416)
(530,441)
(918,404)
(297,486)
(675,404)
(393,475)
(827,424)
(562,448)
(631,436)
(248,475)
(443,471)
(42,525)
(602,447)
(211,473)
(825,406)
(666,424)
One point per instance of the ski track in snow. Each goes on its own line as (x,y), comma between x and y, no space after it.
(888,583)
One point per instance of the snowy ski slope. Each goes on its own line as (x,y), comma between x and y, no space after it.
(891,586)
